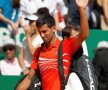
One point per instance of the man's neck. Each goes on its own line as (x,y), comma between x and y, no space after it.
(51,41)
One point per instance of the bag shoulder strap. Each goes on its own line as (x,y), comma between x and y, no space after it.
(60,66)
(40,50)
(39,54)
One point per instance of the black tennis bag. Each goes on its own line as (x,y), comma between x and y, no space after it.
(85,71)
(35,83)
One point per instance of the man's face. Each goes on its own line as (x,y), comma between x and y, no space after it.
(9,52)
(46,33)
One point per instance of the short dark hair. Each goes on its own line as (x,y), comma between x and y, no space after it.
(67,30)
(45,19)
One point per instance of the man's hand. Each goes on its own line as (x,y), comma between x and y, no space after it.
(82,3)
(26,71)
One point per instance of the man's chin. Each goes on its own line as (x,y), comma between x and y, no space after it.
(45,42)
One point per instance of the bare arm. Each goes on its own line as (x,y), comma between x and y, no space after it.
(11,23)
(21,58)
(24,85)
(21,62)
(83,21)
(29,40)
(30,46)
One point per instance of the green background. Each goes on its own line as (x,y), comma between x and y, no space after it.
(94,37)
(8,82)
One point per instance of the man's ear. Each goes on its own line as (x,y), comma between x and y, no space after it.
(53,28)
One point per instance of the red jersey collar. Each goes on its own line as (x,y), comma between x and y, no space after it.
(54,44)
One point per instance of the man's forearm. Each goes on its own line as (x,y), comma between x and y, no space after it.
(30,46)
(24,85)
(84,22)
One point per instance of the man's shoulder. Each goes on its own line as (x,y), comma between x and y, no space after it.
(36,53)
(68,40)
